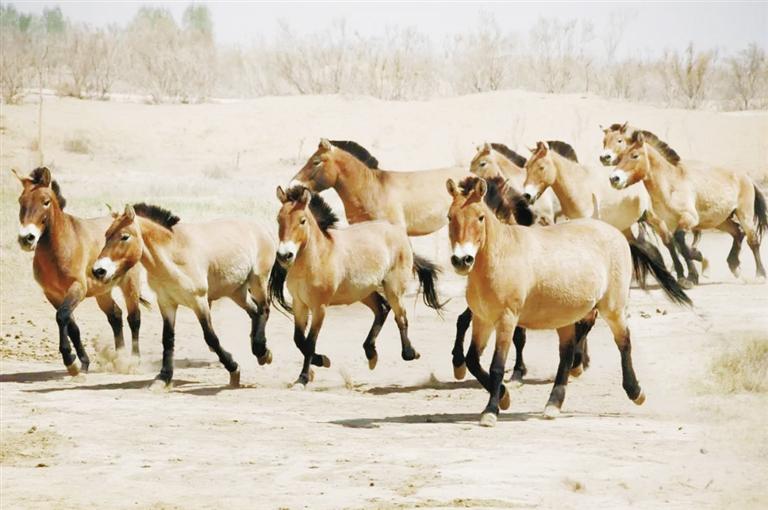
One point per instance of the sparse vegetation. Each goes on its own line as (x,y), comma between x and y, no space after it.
(78,145)
(743,368)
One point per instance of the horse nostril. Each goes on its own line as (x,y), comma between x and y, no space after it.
(614,179)
(456,261)
(285,256)
(30,238)
(99,272)
(468,260)
(527,197)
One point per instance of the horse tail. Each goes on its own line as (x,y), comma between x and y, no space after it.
(761,212)
(145,302)
(427,272)
(277,278)
(645,262)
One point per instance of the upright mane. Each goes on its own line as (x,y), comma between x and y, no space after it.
(357,151)
(502,199)
(660,145)
(162,217)
(563,149)
(511,155)
(320,209)
(36,176)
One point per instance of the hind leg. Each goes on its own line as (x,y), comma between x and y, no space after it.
(567,337)
(746,220)
(693,274)
(519,371)
(203,313)
(114,317)
(581,353)
(618,325)
(380,309)
(394,289)
(737,234)
(459,363)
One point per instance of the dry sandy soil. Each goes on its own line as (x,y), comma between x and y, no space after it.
(405,435)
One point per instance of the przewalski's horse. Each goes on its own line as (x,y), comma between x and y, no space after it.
(329,266)
(496,159)
(511,208)
(616,139)
(688,198)
(65,246)
(192,265)
(542,278)
(369,193)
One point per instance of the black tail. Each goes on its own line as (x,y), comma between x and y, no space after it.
(642,241)
(145,303)
(761,213)
(427,273)
(277,286)
(645,262)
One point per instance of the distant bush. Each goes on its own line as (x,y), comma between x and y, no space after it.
(743,369)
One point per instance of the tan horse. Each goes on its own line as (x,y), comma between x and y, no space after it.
(328,266)
(688,198)
(192,265)
(369,193)
(65,246)
(542,278)
(498,160)
(616,139)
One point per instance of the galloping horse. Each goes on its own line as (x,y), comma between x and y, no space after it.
(330,266)
(192,265)
(542,278)
(616,139)
(688,198)
(65,246)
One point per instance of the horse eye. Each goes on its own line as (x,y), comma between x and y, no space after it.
(483,163)
(635,156)
(620,141)
(481,218)
(125,237)
(46,203)
(303,221)
(317,162)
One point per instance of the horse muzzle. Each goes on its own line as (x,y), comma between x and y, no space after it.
(28,242)
(462,265)
(104,269)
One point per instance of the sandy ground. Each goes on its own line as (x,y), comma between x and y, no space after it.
(406,434)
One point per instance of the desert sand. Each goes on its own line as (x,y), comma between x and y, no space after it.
(406,434)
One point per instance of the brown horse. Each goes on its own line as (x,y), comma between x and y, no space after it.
(192,265)
(369,193)
(688,198)
(542,278)
(616,139)
(329,266)
(65,246)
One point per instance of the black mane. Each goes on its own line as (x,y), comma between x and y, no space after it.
(37,176)
(320,209)
(157,214)
(511,155)
(660,145)
(503,200)
(563,149)
(357,151)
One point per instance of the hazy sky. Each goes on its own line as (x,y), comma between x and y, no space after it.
(651,27)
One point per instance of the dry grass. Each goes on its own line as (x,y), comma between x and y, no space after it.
(744,368)
(78,145)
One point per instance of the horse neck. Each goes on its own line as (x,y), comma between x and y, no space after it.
(572,190)
(495,232)
(511,171)
(316,252)
(359,188)
(156,242)
(658,173)
(59,237)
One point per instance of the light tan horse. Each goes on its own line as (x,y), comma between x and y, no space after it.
(369,193)
(192,265)
(542,278)
(688,198)
(328,266)
(498,160)
(65,246)
(616,139)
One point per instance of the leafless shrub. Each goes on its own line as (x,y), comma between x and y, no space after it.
(744,368)
(552,52)
(481,58)
(686,75)
(79,144)
(749,74)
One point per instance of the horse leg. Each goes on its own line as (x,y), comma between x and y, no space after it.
(131,288)
(499,397)
(168,313)
(318,316)
(617,322)
(693,274)
(462,325)
(746,217)
(258,312)
(737,234)
(581,353)
(114,317)
(300,319)
(64,311)
(74,335)
(380,309)
(481,331)
(519,371)
(203,313)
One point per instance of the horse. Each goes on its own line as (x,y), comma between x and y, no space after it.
(687,198)
(616,139)
(327,266)
(65,246)
(192,265)
(512,208)
(496,159)
(370,193)
(542,278)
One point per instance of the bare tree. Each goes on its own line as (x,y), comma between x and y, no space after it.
(552,51)
(689,73)
(749,74)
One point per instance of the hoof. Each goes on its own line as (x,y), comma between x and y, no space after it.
(410,355)
(234,379)
(704,267)
(488,420)
(298,386)
(266,359)
(505,400)
(517,378)
(73,369)
(577,371)
(640,400)
(551,412)
(326,361)
(372,361)
(159,386)
(460,372)
(685,283)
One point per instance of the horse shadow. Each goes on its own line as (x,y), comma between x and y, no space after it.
(33,377)
(142,384)
(449,418)
(434,384)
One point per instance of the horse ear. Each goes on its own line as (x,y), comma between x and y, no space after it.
(640,139)
(451,187)
(281,196)
(480,189)
(112,212)
(25,181)
(45,177)
(603,129)
(542,147)
(487,147)
(129,212)
(623,128)
(325,145)
(306,196)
